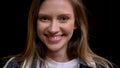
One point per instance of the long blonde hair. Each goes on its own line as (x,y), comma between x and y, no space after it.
(77,47)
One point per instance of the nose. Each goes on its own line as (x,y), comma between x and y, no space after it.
(53,27)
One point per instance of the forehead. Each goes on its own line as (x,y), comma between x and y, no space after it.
(55,3)
(61,5)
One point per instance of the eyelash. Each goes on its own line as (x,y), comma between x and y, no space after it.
(44,19)
(62,19)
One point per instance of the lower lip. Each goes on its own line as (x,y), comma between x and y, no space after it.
(54,39)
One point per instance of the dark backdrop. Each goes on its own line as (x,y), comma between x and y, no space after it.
(104,31)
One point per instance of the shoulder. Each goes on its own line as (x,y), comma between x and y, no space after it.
(12,62)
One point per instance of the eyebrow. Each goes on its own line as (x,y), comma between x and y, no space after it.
(63,14)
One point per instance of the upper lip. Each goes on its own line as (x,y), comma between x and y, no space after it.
(52,35)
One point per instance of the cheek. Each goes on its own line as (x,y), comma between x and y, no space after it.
(68,28)
(40,27)
(40,31)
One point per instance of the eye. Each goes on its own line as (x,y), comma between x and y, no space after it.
(44,19)
(64,18)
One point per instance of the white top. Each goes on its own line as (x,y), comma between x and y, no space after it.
(50,63)
(53,64)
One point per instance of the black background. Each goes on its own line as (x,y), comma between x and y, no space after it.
(103,28)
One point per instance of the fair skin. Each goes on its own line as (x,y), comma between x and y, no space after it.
(55,27)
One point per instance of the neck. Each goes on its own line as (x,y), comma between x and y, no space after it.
(59,56)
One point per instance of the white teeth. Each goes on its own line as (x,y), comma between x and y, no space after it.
(54,38)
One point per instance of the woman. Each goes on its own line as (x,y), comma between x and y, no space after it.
(57,38)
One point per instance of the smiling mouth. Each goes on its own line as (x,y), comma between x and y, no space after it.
(53,38)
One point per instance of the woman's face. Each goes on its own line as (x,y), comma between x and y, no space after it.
(55,24)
